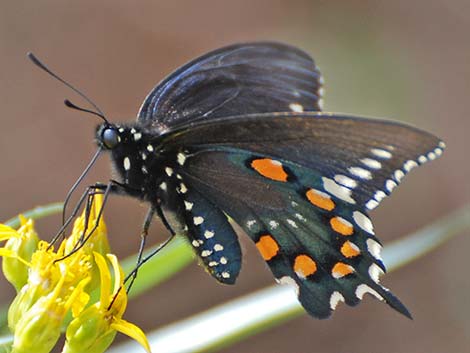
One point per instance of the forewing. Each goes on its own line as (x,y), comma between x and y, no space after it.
(234,80)
(358,160)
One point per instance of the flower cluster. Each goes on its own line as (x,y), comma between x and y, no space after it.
(68,289)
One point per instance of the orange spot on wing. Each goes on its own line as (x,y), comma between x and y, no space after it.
(304,266)
(350,249)
(341,269)
(320,199)
(341,226)
(267,246)
(270,168)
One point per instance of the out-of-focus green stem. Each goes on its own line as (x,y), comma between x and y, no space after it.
(37,213)
(171,259)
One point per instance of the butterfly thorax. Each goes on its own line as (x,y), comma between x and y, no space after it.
(137,159)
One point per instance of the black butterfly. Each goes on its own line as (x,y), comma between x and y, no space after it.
(238,132)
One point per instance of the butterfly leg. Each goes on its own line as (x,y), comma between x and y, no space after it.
(99,188)
(143,239)
(140,258)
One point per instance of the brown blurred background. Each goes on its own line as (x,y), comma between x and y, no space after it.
(407,60)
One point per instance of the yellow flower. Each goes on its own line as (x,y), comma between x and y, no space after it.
(99,241)
(18,250)
(39,328)
(95,328)
(55,287)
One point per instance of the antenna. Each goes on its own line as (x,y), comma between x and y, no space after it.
(71,105)
(39,64)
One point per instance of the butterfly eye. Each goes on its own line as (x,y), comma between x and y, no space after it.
(110,137)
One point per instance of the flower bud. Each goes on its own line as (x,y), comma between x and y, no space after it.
(23,246)
(90,332)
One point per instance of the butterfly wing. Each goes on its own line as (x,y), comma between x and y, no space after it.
(276,178)
(238,79)
(358,160)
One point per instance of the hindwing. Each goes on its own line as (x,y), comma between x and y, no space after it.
(276,175)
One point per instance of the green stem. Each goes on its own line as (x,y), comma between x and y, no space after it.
(171,259)
(37,213)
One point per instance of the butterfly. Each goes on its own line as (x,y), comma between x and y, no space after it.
(239,133)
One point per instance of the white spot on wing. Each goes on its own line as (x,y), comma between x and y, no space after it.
(398,175)
(250,223)
(163,186)
(390,185)
(206,253)
(188,205)
(374,248)
(292,223)
(371,163)
(208,234)
(337,190)
(169,171)
(335,298)
(345,181)
(363,289)
(378,152)
(127,163)
(273,224)
(183,188)
(422,159)
(360,172)
(371,204)
(375,272)
(363,221)
(431,156)
(218,247)
(225,275)
(289,281)
(296,107)
(137,136)
(379,195)
(181,158)
(410,164)
(223,260)
(198,220)
(150,148)
(195,243)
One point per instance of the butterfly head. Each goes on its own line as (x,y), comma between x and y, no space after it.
(112,136)
(108,136)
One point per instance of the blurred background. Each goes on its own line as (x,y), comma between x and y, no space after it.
(406,60)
